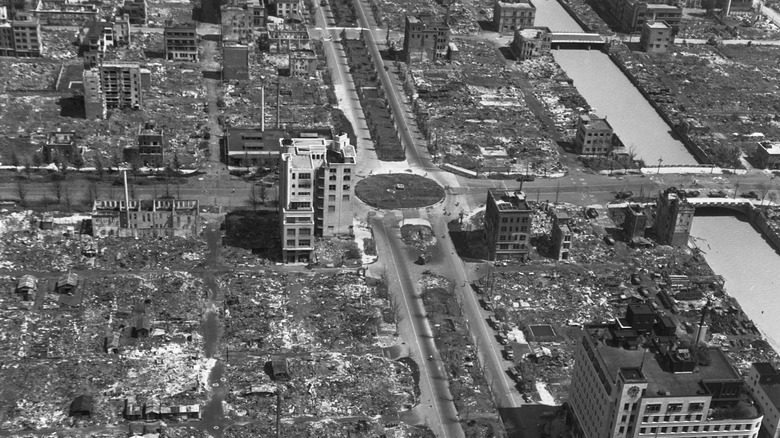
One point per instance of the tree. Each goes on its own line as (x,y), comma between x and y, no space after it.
(78,162)
(68,197)
(176,163)
(262,193)
(27,167)
(99,167)
(37,159)
(21,191)
(57,188)
(254,198)
(15,160)
(92,193)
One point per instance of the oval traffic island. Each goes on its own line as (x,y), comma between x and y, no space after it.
(398,190)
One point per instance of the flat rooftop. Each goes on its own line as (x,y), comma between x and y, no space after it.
(662,6)
(517,5)
(660,381)
(658,25)
(509,200)
(595,122)
(771,148)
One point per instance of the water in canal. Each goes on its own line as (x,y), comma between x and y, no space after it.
(609,91)
(751,267)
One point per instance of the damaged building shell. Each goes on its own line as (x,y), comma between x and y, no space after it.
(145,218)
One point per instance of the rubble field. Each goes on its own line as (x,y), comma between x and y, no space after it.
(476,115)
(727,96)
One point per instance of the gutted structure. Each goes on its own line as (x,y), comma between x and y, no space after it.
(507,224)
(162,217)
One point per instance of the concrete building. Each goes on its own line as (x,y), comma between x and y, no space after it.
(767,155)
(507,224)
(425,38)
(254,10)
(562,235)
(119,86)
(673,219)
(283,37)
(510,15)
(98,36)
(93,95)
(316,191)
(656,37)
(289,10)
(235,62)
(635,222)
(181,42)
(764,383)
(252,146)
(151,145)
(303,63)
(530,43)
(136,11)
(21,38)
(60,146)
(631,15)
(624,387)
(594,135)
(146,217)
(236,25)
(66,14)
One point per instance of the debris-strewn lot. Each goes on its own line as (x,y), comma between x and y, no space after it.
(727,96)
(476,115)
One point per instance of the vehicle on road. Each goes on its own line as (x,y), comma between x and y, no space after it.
(493,322)
(503,339)
(692,193)
(717,194)
(509,353)
(609,240)
(751,195)
(592,213)
(423,258)
(476,288)
(526,178)
(624,194)
(487,303)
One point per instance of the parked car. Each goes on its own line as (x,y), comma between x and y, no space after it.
(609,240)
(592,213)
(487,303)
(624,194)
(751,195)
(717,194)
(526,178)
(509,353)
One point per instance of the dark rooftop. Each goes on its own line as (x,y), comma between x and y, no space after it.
(509,200)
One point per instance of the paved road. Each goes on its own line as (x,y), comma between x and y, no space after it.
(433,378)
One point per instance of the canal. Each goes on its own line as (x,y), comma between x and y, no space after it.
(609,91)
(751,267)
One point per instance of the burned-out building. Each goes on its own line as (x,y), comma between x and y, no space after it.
(114,85)
(767,155)
(283,37)
(674,216)
(136,11)
(20,36)
(426,38)
(148,217)
(67,284)
(303,63)
(656,37)
(635,222)
(594,135)
(151,145)
(181,42)
(507,224)
(98,36)
(61,146)
(531,42)
(236,25)
(26,287)
(562,235)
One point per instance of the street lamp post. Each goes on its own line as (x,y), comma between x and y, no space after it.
(660,160)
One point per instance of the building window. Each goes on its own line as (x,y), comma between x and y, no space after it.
(331,209)
(674,407)
(291,232)
(332,198)
(653,408)
(291,242)
(332,187)
(345,187)
(503,229)
(305,243)
(305,232)
(345,198)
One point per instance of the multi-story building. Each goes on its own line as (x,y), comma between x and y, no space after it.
(767,155)
(254,11)
(119,87)
(531,42)
(66,13)
(60,146)
(509,15)
(673,219)
(151,145)
(425,38)
(626,386)
(631,15)
(507,224)
(290,10)
(316,191)
(764,383)
(20,38)
(303,63)
(635,222)
(594,135)
(253,146)
(562,235)
(148,217)
(283,37)
(656,37)
(94,107)
(181,42)
(98,36)
(136,11)
(235,62)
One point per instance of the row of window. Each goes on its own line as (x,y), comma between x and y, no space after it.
(520,237)
(511,220)
(677,429)
(302,232)
(291,242)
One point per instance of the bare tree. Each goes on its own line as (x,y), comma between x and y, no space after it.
(99,168)
(27,167)
(68,197)
(21,192)
(57,187)
(254,198)
(92,193)
(262,193)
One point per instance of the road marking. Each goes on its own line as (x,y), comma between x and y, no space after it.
(423,362)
